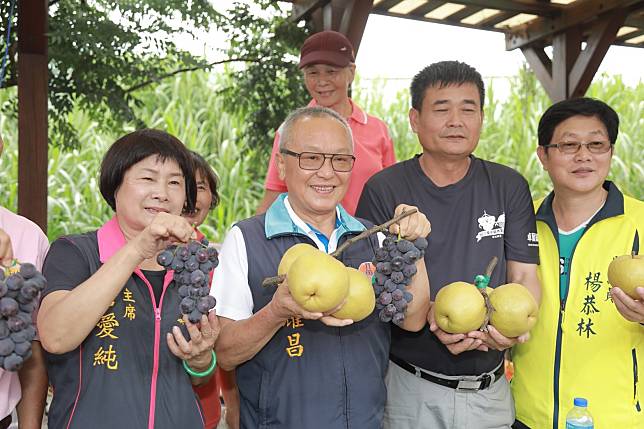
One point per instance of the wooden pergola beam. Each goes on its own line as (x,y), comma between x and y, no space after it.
(425,8)
(32,110)
(577,14)
(440,21)
(303,10)
(570,71)
(601,37)
(348,17)
(537,8)
(541,64)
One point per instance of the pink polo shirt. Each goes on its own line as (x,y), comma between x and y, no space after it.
(373,150)
(29,245)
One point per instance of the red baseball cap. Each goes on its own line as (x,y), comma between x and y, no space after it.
(327,47)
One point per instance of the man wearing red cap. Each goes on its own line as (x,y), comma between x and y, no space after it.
(327,61)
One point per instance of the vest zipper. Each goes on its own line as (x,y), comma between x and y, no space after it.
(555,414)
(344,377)
(157,339)
(560,322)
(636,400)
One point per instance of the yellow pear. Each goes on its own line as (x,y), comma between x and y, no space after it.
(515,310)
(627,273)
(291,255)
(361,299)
(318,282)
(459,308)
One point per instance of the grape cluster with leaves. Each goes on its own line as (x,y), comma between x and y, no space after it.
(395,262)
(19,292)
(192,264)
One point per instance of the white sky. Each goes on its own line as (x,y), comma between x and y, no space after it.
(395,49)
(410,45)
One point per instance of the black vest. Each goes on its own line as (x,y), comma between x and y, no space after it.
(311,376)
(107,382)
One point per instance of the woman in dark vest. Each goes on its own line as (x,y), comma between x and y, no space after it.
(110,315)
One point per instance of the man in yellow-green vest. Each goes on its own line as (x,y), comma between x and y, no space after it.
(589,336)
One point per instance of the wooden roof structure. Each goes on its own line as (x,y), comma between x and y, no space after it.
(579,31)
(529,25)
(523,22)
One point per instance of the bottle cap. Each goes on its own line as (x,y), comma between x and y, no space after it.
(581,402)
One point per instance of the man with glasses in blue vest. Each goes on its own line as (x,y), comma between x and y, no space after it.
(295,368)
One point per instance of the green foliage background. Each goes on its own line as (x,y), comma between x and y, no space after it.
(192,107)
(103,52)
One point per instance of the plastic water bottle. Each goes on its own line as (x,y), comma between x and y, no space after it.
(579,416)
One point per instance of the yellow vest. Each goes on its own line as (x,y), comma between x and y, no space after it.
(583,347)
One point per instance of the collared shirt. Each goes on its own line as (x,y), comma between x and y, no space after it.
(373,150)
(231,288)
(309,375)
(29,245)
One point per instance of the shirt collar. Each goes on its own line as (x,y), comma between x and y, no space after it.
(110,239)
(614,206)
(356,113)
(282,220)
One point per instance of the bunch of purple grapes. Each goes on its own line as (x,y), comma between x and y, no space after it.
(192,264)
(395,263)
(18,299)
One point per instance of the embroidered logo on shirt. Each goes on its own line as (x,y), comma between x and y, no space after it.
(491,226)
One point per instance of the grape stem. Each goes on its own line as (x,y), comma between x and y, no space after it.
(488,305)
(272,281)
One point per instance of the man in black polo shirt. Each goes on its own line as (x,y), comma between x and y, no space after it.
(478,210)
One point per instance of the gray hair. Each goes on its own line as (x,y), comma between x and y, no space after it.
(286,129)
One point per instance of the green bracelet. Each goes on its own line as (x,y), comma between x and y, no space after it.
(209,371)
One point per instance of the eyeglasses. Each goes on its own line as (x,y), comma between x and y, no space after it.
(573,147)
(314,161)
(317,75)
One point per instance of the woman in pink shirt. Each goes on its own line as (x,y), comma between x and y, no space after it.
(327,61)
(22,239)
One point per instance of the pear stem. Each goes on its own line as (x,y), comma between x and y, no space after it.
(271,281)
(491,266)
(488,305)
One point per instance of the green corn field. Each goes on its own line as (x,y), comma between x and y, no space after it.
(190,107)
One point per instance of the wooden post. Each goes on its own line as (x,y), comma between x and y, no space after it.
(571,69)
(32,110)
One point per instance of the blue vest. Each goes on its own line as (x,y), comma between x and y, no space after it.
(107,382)
(310,375)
